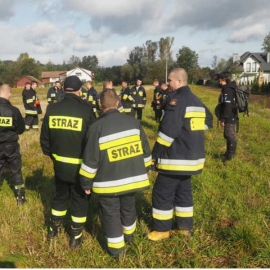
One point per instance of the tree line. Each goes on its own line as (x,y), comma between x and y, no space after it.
(147,62)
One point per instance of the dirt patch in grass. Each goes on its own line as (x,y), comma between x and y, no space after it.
(260,99)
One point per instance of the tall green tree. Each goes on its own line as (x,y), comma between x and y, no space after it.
(89,62)
(266,43)
(74,62)
(29,66)
(187,59)
(165,48)
(127,73)
(150,48)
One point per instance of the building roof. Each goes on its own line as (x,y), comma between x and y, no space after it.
(260,57)
(31,79)
(88,72)
(51,74)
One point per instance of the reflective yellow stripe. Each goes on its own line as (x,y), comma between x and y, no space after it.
(59,213)
(30,112)
(29,101)
(117,142)
(19,186)
(49,99)
(87,174)
(129,229)
(127,109)
(187,168)
(195,114)
(78,236)
(163,142)
(197,124)
(125,96)
(67,159)
(128,187)
(117,242)
(184,211)
(162,214)
(78,219)
(148,163)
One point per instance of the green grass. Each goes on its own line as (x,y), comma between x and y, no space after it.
(231,207)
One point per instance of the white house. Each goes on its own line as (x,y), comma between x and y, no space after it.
(250,66)
(83,74)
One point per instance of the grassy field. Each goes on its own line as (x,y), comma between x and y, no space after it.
(231,207)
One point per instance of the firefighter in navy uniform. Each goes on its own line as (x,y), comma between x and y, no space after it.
(177,155)
(11,124)
(155,103)
(160,100)
(139,95)
(126,99)
(92,97)
(29,97)
(115,163)
(55,93)
(63,138)
(84,94)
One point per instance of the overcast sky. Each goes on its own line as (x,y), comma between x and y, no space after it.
(57,29)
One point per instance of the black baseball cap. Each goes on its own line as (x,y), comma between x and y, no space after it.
(72,84)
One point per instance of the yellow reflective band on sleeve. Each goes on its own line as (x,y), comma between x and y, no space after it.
(125,96)
(121,109)
(64,122)
(184,211)
(163,139)
(132,186)
(130,98)
(67,159)
(197,124)
(116,242)
(49,99)
(125,151)
(129,229)
(117,142)
(162,214)
(90,98)
(78,236)
(78,219)
(6,121)
(193,111)
(59,213)
(29,100)
(148,161)
(52,95)
(127,110)
(87,174)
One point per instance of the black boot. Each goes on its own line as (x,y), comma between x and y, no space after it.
(75,237)
(54,228)
(20,196)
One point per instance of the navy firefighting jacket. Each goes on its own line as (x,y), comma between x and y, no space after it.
(63,134)
(179,148)
(117,155)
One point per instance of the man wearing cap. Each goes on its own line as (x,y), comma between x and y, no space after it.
(63,138)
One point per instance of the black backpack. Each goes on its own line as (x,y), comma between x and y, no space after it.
(242,99)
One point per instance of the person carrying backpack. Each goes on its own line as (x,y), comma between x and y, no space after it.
(228,114)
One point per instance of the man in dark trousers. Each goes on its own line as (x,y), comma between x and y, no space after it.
(63,139)
(228,115)
(92,96)
(139,95)
(177,155)
(29,97)
(11,124)
(115,163)
(126,99)
(155,103)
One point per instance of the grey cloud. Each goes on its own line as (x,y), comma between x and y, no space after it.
(6,9)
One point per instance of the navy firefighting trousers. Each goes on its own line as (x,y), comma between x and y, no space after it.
(172,196)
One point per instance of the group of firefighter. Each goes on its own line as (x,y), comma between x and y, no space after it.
(98,146)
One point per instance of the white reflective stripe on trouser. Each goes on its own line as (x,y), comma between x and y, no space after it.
(162,214)
(116,242)
(129,229)
(184,211)
(181,164)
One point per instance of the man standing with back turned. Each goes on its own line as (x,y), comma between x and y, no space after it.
(11,124)
(63,138)
(178,154)
(115,163)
